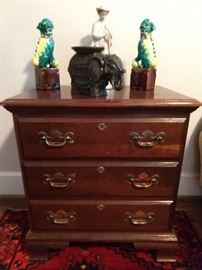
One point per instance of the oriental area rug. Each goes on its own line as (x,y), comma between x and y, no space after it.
(96,256)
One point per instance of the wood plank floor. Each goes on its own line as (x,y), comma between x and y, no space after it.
(191,205)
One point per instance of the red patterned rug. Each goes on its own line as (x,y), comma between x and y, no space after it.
(97,256)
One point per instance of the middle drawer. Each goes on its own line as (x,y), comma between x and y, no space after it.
(100,178)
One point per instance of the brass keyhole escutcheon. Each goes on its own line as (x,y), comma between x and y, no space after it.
(101,207)
(100,169)
(101,126)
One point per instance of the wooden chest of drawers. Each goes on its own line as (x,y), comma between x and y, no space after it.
(101,169)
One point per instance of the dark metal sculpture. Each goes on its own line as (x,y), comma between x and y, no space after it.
(91,71)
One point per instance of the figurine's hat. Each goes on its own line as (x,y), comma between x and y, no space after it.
(102,8)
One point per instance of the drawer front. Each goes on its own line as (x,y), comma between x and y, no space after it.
(100,215)
(94,179)
(59,138)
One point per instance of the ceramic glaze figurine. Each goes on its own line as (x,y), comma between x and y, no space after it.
(146,57)
(100,33)
(43,56)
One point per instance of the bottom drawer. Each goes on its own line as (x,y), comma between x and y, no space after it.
(96,215)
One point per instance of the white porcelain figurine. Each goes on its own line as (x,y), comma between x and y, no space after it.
(100,32)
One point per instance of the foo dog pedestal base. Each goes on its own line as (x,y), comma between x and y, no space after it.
(47,78)
(142,79)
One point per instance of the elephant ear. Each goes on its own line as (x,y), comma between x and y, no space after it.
(115,68)
(114,63)
(95,68)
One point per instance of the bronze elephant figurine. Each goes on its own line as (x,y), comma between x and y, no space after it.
(91,73)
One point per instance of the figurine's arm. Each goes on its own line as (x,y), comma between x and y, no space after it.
(100,31)
(108,33)
(97,32)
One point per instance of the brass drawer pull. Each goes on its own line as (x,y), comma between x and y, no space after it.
(147,138)
(102,126)
(61,217)
(143,180)
(60,139)
(139,218)
(65,180)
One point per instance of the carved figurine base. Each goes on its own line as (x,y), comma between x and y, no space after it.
(142,79)
(47,78)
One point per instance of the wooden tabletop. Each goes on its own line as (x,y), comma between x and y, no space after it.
(160,97)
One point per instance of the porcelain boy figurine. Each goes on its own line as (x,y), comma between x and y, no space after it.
(43,56)
(100,32)
(146,57)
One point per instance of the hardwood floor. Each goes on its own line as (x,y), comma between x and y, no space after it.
(191,205)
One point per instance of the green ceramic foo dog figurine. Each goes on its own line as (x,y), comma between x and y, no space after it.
(144,65)
(46,71)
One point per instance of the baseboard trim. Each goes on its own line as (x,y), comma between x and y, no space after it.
(189,198)
(11,183)
(189,185)
(12,196)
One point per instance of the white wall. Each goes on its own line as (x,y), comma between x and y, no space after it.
(178,41)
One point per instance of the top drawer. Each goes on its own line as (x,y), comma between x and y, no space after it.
(60,137)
